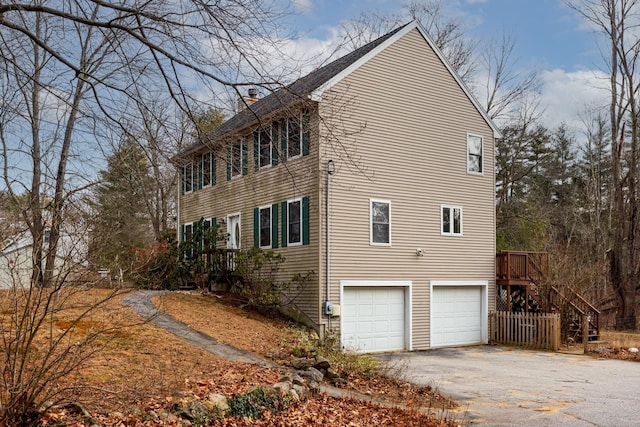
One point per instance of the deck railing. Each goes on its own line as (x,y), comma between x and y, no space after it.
(521,267)
(533,330)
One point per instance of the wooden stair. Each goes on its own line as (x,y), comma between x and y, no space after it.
(522,274)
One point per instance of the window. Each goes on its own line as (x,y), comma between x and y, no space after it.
(197,173)
(380,233)
(264,148)
(265,227)
(294,142)
(451,219)
(208,169)
(236,159)
(294,222)
(474,154)
(187,177)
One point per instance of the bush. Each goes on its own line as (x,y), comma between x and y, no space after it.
(257,282)
(252,403)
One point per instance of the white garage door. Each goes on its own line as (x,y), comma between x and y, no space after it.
(456,315)
(373,318)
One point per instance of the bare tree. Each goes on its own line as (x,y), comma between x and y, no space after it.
(617,22)
(71,72)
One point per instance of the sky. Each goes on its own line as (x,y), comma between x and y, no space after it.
(550,38)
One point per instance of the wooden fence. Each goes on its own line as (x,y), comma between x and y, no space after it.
(540,331)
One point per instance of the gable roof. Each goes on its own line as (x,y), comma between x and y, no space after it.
(314,84)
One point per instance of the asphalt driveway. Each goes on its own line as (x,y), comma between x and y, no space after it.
(501,386)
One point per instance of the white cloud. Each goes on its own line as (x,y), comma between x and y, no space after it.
(568,95)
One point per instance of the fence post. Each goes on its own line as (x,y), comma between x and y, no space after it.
(585,333)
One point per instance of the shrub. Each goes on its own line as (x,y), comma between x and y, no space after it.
(252,403)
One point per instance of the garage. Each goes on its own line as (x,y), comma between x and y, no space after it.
(373,318)
(458,315)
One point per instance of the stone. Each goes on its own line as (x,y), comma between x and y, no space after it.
(297,379)
(633,350)
(302,363)
(339,382)
(314,387)
(294,395)
(313,374)
(302,392)
(321,363)
(283,388)
(285,378)
(331,374)
(217,402)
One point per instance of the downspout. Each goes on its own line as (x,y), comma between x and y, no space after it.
(328,306)
(179,188)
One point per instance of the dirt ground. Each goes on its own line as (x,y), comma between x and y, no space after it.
(140,372)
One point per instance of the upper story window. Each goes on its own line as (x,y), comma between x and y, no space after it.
(264,147)
(451,220)
(474,154)
(187,178)
(237,159)
(294,142)
(208,169)
(380,213)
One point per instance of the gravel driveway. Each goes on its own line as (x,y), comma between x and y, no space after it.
(501,386)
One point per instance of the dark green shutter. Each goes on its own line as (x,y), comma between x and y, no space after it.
(229,163)
(306,133)
(214,226)
(305,220)
(274,143)
(284,228)
(284,148)
(274,225)
(244,158)
(256,227)
(213,168)
(181,233)
(256,150)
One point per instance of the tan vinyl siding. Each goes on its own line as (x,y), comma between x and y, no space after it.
(294,178)
(397,129)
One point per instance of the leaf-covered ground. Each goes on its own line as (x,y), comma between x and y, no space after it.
(143,374)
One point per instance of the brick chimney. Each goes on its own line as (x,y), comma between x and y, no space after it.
(252,96)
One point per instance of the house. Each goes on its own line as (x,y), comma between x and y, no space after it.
(16,258)
(375,172)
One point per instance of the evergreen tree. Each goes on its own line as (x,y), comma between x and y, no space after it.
(120,221)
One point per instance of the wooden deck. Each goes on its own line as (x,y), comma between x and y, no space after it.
(523,286)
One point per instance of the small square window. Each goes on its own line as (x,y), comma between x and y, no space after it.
(451,219)
(474,154)
(380,211)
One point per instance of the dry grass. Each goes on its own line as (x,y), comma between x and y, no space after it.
(617,339)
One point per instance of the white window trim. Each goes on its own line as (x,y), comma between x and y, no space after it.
(260,208)
(270,159)
(371,242)
(211,177)
(239,142)
(408,303)
(469,135)
(184,181)
(299,119)
(450,233)
(484,286)
(289,243)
